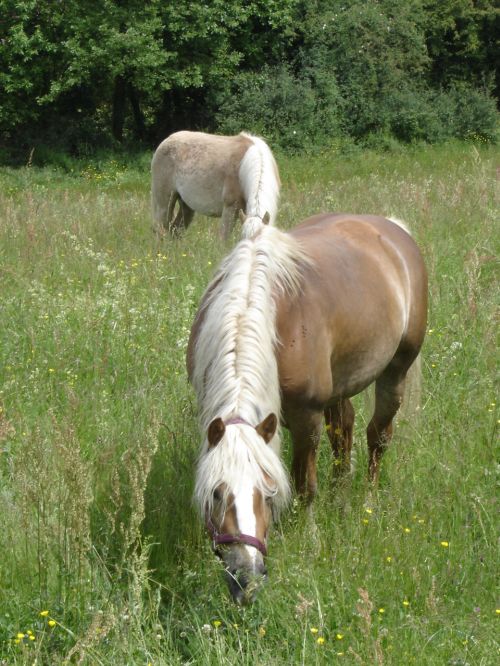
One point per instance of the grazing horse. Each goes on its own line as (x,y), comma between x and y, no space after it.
(293,325)
(213,175)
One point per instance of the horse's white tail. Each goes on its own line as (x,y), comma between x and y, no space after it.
(259,180)
(412,397)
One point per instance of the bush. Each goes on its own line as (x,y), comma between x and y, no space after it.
(461,112)
(467,113)
(283,107)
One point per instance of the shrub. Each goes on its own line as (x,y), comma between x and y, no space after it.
(285,108)
(468,113)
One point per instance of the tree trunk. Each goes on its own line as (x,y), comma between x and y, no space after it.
(140,125)
(118,112)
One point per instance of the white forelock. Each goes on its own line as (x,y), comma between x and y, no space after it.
(241,456)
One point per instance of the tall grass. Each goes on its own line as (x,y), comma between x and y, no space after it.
(98,436)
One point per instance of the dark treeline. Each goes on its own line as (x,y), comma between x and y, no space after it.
(79,74)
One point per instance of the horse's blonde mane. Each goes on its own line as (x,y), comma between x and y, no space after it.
(235,369)
(259,179)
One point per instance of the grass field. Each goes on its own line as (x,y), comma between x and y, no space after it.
(102,557)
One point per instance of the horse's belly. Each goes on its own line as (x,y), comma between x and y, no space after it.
(353,375)
(202,197)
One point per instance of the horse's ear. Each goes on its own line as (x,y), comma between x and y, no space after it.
(267,427)
(266,219)
(215,433)
(242,216)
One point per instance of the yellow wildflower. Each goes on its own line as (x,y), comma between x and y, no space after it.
(320,640)
(339,637)
(406,602)
(314,630)
(407,530)
(381,610)
(368,510)
(52,623)
(388,559)
(262,632)
(20,635)
(44,613)
(445,544)
(217,623)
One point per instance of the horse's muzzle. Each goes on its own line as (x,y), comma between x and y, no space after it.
(244,585)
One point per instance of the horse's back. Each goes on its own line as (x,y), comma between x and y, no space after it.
(186,145)
(364,297)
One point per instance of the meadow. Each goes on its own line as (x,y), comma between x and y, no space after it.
(103,559)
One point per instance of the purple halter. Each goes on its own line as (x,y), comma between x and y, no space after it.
(246,539)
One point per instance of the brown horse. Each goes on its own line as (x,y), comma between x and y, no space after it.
(213,175)
(293,325)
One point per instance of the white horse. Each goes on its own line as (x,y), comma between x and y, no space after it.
(215,176)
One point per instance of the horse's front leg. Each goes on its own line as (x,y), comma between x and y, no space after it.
(305,427)
(339,419)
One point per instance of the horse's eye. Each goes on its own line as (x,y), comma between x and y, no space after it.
(217,495)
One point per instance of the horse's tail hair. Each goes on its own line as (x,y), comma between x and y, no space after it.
(412,395)
(259,179)
(412,398)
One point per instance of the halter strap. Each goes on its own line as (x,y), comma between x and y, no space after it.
(237,420)
(246,539)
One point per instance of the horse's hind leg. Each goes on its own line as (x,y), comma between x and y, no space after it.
(184,216)
(389,389)
(339,426)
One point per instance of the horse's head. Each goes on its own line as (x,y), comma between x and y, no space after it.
(240,485)
(252,224)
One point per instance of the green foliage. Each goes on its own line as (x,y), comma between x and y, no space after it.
(467,113)
(372,49)
(286,109)
(83,74)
